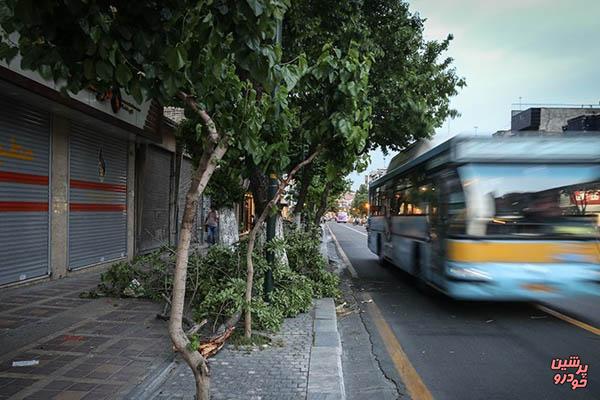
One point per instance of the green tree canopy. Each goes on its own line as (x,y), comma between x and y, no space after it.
(410,83)
(361,200)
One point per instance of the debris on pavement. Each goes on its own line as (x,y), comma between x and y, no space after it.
(25,363)
(211,347)
(340,307)
(345,309)
(73,338)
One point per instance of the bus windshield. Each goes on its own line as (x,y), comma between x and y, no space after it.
(532,200)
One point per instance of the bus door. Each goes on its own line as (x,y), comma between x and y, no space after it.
(447,217)
(438,231)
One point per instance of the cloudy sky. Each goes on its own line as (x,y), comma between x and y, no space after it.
(544,51)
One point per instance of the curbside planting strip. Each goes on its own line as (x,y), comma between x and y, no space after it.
(325,376)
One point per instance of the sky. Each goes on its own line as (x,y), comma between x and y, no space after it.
(511,52)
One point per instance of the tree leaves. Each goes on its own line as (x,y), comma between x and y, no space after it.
(123,74)
(175,57)
(104,70)
(405,70)
(88,69)
(256,6)
(7,52)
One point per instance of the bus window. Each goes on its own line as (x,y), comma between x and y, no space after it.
(453,204)
(397,204)
(550,200)
(417,199)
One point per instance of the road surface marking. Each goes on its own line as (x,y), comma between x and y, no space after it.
(570,320)
(342,254)
(355,230)
(410,377)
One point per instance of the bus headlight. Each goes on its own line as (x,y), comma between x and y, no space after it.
(468,273)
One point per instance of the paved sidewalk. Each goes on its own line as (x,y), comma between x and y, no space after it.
(71,348)
(302,362)
(279,371)
(84,348)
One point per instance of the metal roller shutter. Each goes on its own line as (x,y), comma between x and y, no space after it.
(156,185)
(24,192)
(97,197)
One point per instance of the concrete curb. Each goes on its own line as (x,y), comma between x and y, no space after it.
(342,254)
(147,389)
(325,376)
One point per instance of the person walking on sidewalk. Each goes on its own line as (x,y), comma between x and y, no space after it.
(211,223)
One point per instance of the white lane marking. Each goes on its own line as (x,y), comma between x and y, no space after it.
(342,254)
(355,230)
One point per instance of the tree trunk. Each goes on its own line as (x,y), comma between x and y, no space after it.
(280,255)
(252,240)
(228,227)
(259,186)
(215,149)
(302,192)
(323,206)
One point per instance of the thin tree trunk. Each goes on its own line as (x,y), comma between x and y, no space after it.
(252,240)
(299,207)
(259,186)
(323,206)
(215,149)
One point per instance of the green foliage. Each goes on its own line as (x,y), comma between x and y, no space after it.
(410,82)
(151,49)
(216,281)
(360,201)
(303,251)
(194,343)
(145,277)
(225,188)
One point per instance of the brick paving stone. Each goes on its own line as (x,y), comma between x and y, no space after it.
(275,372)
(88,349)
(70,395)
(64,302)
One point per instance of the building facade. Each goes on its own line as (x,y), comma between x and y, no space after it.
(83,183)
(552,120)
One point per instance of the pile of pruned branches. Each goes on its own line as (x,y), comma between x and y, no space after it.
(216,284)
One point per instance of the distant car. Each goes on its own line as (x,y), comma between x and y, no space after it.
(341,217)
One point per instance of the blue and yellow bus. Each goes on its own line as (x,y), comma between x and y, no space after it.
(496,218)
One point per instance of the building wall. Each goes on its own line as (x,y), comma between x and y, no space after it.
(553,119)
(545,119)
(52,256)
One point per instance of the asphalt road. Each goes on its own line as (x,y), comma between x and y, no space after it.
(471,350)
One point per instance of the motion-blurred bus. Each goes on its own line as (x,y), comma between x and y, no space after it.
(513,218)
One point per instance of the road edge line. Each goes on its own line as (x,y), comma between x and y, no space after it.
(342,254)
(355,230)
(568,319)
(409,375)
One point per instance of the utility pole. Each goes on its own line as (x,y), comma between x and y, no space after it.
(272,220)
